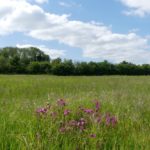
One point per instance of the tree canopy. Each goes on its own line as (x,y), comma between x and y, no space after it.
(32,60)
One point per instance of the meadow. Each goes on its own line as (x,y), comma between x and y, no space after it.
(126,97)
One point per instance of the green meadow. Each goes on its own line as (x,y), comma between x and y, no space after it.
(126,97)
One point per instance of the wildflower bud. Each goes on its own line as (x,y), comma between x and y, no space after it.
(61,102)
(88,111)
(62,129)
(66,112)
(97,105)
(93,135)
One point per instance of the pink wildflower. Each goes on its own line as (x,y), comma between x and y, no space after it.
(41,111)
(108,119)
(81,124)
(62,129)
(61,102)
(113,121)
(93,135)
(88,111)
(97,105)
(66,112)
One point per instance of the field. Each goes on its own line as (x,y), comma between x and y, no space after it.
(128,98)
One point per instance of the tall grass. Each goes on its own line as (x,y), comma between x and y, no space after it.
(128,98)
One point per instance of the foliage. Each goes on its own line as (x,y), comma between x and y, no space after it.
(34,61)
(20,60)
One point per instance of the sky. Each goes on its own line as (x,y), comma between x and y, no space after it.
(81,30)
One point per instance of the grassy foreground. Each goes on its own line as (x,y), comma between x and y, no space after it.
(128,98)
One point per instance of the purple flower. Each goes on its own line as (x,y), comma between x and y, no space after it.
(93,135)
(97,105)
(41,111)
(81,124)
(66,112)
(88,111)
(61,102)
(62,129)
(108,119)
(113,121)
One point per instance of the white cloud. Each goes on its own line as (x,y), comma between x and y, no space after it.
(64,4)
(41,1)
(20,16)
(69,4)
(134,30)
(137,7)
(95,39)
(53,53)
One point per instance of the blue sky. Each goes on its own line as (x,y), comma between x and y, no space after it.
(83,30)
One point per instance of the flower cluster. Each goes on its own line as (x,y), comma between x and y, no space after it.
(61,102)
(79,120)
(41,111)
(111,120)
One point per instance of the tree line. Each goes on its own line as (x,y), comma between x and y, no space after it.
(32,60)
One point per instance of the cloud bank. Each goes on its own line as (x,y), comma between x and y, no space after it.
(53,53)
(95,40)
(137,7)
(41,1)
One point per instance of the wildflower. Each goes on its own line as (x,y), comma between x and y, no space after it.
(88,111)
(81,124)
(108,119)
(93,135)
(61,102)
(66,112)
(113,121)
(62,129)
(41,111)
(97,105)
(82,119)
